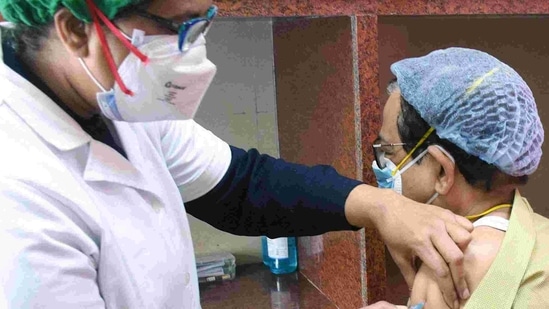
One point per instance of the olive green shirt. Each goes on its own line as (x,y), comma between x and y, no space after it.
(518,277)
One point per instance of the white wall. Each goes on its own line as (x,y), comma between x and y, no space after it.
(240,108)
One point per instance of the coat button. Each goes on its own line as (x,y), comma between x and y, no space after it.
(186,279)
(156,205)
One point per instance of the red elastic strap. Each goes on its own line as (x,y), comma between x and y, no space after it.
(95,13)
(121,37)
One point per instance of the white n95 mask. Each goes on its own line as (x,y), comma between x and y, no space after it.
(391,178)
(386,179)
(169,86)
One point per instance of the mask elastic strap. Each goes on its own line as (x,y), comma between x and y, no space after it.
(446,153)
(432,198)
(421,155)
(85,66)
(453,161)
(96,15)
(127,37)
(411,163)
(122,37)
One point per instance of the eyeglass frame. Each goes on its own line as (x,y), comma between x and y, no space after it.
(376,149)
(182,29)
(377,153)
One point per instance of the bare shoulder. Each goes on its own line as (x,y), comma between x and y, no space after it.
(479,255)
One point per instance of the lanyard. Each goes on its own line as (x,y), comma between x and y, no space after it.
(500,206)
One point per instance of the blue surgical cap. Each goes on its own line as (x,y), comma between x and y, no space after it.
(476,102)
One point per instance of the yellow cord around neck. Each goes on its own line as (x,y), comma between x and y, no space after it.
(500,206)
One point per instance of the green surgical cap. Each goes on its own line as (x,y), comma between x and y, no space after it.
(39,12)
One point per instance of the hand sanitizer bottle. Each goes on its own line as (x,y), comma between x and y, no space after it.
(285,292)
(280,254)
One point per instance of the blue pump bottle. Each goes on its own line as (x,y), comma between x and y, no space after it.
(280,254)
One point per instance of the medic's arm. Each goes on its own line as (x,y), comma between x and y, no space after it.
(246,193)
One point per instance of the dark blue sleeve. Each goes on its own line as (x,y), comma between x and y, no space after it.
(261,195)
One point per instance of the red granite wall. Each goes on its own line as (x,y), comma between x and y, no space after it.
(316,120)
(379,7)
(325,114)
(323,118)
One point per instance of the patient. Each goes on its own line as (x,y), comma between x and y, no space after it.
(461,131)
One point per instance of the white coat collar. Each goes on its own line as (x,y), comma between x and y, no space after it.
(43,115)
(106,164)
(57,128)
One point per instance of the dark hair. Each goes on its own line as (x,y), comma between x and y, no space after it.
(411,128)
(27,40)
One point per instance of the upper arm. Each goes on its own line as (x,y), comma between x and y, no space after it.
(45,260)
(478,257)
(426,290)
(195,157)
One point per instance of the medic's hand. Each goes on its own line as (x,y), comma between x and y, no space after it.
(413,230)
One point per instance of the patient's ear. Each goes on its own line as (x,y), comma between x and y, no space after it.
(447,174)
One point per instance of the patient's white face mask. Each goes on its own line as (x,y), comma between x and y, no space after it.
(391,178)
(168,86)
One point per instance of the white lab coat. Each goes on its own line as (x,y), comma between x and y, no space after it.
(81,226)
